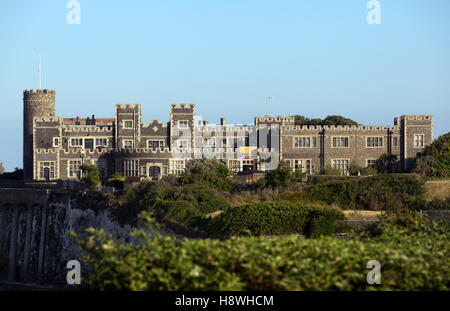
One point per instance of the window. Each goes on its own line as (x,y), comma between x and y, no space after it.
(46,170)
(154,172)
(418,141)
(176,167)
(209,144)
(302,142)
(395,141)
(182,143)
(130,167)
(301,165)
(234,165)
(128,124)
(76,142)
(374,142)
(342,165)
(101,142)
(370,162)
(183,124)
(144,171)
(340,142)
(155,144)
(55,141)
(128,144)
(74,169)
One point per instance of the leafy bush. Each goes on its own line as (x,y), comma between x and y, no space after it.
(207,199)
(181,211)
(412,258)
(368,171)
(434,160)
(384,164)
(354,168)
(436,204)
(331,171)
(381,192)
(204,171)
(282,176)
(274,218)
(323,222)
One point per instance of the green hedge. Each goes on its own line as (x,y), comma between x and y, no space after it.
(266,218)
(411,259)
(381,192)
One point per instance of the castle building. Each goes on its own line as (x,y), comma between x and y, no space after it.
(55,148)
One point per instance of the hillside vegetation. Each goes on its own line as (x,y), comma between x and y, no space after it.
(434,160)
(413,253)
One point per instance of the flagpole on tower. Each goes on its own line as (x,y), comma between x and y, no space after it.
(40,72)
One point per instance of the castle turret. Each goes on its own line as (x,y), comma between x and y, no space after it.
(36,103)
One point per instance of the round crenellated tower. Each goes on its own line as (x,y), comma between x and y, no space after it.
(36,103)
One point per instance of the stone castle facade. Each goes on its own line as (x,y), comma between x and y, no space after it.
(55,148)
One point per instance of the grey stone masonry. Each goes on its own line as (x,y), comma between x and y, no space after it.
(56,147)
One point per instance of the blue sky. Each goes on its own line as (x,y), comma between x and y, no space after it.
(313,57)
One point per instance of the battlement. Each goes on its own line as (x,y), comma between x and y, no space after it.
(128,106)
(274,119)
(154,122)
(225,128)
(337,128)
(417,117)
(165,151)
(57,120)
(87,129)
(79,151)
(32,92)
(182,106)
(46,151)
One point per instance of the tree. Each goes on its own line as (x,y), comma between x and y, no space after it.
(329,120)
(434,160)
(282,176)
(91,175)
(385,162)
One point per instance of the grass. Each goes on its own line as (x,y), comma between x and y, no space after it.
(437,188)
(362,215)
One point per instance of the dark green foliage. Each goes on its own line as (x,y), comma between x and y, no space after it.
(413,257)
(91,175)
(275,218)
(116,181)
(204,171)
(436,204)
(385,162)
(354,169)
(381,192)
(323,222)
(330,120)
(182,212)
(202,197)
(280,177)
(331,171)
(434,160)
(16,175)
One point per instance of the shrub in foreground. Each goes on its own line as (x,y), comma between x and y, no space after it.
(413,258)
